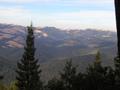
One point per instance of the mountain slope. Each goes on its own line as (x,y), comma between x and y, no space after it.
(54,46)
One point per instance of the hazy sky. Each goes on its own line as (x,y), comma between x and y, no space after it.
(73,14)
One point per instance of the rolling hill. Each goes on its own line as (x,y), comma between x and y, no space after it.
(54,46)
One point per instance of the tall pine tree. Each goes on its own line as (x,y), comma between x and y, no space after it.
(96,73)
(28,71)
(69,75)
(54,84)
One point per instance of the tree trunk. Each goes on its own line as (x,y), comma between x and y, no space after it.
(117,10)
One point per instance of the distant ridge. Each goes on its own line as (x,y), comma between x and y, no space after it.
(54,46)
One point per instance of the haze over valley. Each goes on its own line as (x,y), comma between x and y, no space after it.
(54,46)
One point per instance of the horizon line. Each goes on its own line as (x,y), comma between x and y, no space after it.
(67,29)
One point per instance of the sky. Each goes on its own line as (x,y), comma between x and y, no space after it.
(64,14)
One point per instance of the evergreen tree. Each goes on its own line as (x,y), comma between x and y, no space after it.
(95,78)
(55,84)
(79,82)
(110,79)
(68,76)
(28,72)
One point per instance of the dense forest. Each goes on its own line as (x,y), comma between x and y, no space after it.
(96,77)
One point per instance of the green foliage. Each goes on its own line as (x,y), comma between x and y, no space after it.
(55,84)
(99,77)
(70,78)
(28,72)
(68,75)
(2,87)
(117,72)
(110,80)
(97,60)
(117,68)
(13,86)
(96,75)
(79,82)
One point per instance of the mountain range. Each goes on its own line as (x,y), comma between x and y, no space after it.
(54,46)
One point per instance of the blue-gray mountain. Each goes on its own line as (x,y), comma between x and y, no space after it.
(54,46)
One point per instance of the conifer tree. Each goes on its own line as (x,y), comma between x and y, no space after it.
(28,71)
(96,75)
(110,80)
(55,84)
(68,76)
(79,82)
